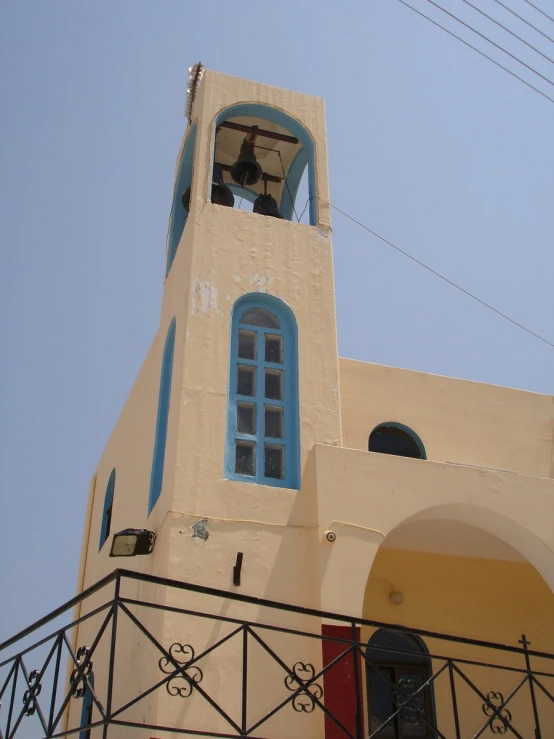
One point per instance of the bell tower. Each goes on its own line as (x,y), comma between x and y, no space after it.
(208,466)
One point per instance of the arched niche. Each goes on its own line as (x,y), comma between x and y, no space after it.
(283,161)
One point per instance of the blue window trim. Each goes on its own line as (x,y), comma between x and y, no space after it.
(88,703)
(289,333)
(305,156)
(406,430)
(178,213)
(107,510)
(164,398)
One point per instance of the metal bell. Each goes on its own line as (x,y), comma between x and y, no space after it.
(221,194)
(266,205)
(246,170)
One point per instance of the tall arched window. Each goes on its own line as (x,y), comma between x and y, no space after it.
(397,668)
(158,459)
(262,424)
(179,210)
(86,710)
(106,524)
(395,438)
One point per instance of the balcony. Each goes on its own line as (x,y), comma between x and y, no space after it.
(137,655)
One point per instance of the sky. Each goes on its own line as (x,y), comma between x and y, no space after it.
(430,145)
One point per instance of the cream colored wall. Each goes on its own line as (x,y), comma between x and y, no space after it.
(458,421)
(363,496)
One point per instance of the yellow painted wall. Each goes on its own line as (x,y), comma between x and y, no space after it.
(457,420)
(481,599)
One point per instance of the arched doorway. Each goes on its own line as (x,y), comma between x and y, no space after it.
(397,670)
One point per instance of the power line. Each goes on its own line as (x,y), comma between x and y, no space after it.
(442,277)
(482,53)
(540,11)
(482,35)
(500,25)
(521,18)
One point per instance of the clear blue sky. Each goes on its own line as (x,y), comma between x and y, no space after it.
(429,144)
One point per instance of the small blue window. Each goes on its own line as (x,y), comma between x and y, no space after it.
(262,424)
(181,197)
(86,710)
(158,459)
(107,510)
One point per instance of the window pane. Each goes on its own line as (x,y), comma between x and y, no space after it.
(274,422)
(246,380)
(247,344)
(381,702)
(260,317)
(246,418)
(274,384)
(273,349)
(275,461)
(245,461)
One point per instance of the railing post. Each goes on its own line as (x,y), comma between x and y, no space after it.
(55,684)
(357,684)
(244,679)
(523,641)
(454,700)
(111,667)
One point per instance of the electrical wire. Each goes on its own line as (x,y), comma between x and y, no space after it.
(521,18)
(540,11)
(438,274)
(482,35)
(482,53)
(500,25)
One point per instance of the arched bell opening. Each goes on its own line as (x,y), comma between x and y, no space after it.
(456,588)
(263,151)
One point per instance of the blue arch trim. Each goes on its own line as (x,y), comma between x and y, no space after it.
(158,459)
(107,510)
(178,214)
(406,430)
(291,439)
(267,113)
(86,708)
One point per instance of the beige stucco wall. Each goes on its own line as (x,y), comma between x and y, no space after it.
(457,420)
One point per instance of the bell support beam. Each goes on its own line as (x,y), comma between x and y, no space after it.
(259,132)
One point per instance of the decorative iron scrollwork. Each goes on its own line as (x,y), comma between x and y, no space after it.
(411,707)
(78,676)
(29,697)
(305,700)
(498,724)
(183,683)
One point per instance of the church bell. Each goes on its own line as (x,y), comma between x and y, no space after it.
(246,170)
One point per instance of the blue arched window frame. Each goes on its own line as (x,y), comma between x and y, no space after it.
(178,213)
(289,403)
(304,158)
(86,709)
(158,458)
(407,430)
(107,510)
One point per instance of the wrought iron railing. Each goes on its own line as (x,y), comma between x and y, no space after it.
(158,656)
